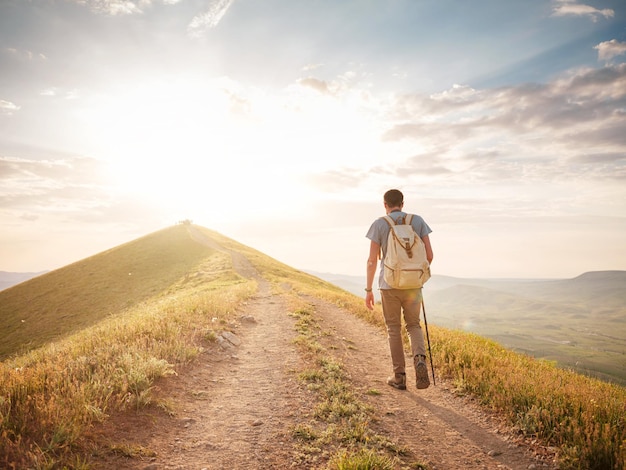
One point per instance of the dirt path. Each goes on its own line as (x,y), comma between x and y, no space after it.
(445,431)
(235,407)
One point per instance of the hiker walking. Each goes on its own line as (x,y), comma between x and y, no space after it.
(397,298)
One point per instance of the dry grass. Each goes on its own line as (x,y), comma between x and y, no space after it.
(127,334)
(585,418)
(77,296)
(50,395)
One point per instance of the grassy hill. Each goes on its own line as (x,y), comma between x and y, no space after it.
(69,299)
(94,336)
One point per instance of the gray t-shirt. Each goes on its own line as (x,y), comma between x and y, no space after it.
(379,232)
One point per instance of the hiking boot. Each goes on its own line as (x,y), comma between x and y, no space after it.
(397,381)
(421,372)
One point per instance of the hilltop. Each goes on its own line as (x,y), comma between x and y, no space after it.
(217,356)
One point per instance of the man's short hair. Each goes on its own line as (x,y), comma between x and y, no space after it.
(394,198)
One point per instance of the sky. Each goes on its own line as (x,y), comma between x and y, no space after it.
(282,123)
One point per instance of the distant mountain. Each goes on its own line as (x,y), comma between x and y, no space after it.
(8,279)
(579,322)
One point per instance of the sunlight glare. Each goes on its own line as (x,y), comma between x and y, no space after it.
(183,142)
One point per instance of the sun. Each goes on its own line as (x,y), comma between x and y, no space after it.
(184,142)
(168,139)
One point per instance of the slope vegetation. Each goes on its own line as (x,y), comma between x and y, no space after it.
(194,283)
(69,299)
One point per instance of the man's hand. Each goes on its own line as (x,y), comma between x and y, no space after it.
(372,261)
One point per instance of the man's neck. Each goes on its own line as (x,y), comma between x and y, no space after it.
(393,209)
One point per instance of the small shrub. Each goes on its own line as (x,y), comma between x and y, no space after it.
(361,459)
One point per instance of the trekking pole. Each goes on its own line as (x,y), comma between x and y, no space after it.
(430,354)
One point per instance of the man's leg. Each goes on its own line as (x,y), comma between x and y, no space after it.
(411,302)
(392,307)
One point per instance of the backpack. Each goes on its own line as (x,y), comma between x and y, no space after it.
(406,265)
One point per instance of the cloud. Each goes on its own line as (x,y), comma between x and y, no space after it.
(594,87)
(7,108)
(335,180)
(340,85)
(114,7)
(55,92)
(121,7)
(21,54)
(535,131)
(604,158)
(571,7)
(49,92)
(533,135)
(62,185)
(319,85)
(582,97)
(609,49)
(29,217)
(201,23)
(310,67)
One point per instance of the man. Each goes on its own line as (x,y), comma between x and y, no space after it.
(396,302)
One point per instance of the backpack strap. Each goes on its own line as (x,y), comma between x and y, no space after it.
(391,223)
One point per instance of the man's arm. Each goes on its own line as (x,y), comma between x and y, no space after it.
(372,262)
(429,249)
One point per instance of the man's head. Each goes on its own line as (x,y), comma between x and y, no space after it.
(394,199)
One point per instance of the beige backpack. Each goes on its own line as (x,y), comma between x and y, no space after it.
(406,265)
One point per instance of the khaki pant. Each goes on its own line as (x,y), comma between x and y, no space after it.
(395,303)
